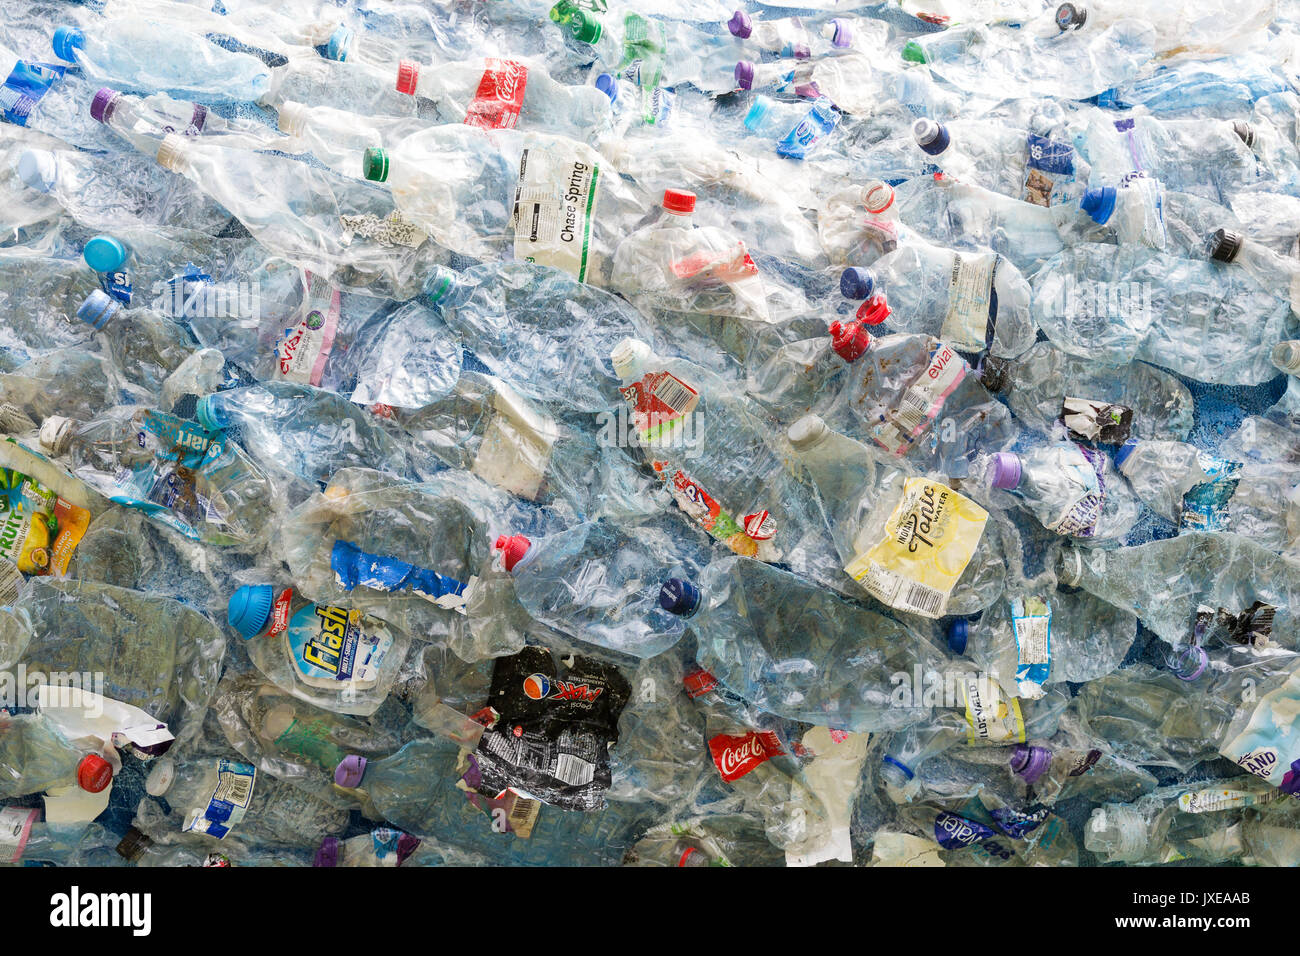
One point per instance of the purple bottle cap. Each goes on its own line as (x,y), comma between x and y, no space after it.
(1030,763)
(1006,470)
(740,25)
(801,51)
(843,36)
(1191,663)
(328,853)
(350,771)
(808,90)
(101,107)
(745,75)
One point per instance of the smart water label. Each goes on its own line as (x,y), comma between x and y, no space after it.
(228,803)
(24,87)
(554,208)
(331,645)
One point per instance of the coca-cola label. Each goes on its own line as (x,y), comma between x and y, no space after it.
(699,682)
(500,95)
(280,612)
(737,756)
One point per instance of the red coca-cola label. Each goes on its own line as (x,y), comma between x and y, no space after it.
(500,95)
(699,682)
(737,756)
(280,612)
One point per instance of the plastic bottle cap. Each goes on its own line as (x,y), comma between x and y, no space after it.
(679,596)
(292,118)
(350,771)
(328,853)
(806,431)
(1071,567)
(740,25)
(98,308)
(1030,763)
(1124,451)
(408,74)
(37,169)
(339,44)
(851,341)
(103,103)
(171,152)
(841,33)
(679,201)
(801,51)
(250,608)
(94,773)
(161,777)
(105,254)
(1006,470)
(211,414)
(874,311)
(1286,356)
(585,28)
(629,357)
(932,137)
(958,633)
(54,434)
(513,547)
(374,164)
(1192,663)
(1070,17)
(912,52)
(66,40)
(1224,245)
(754,118)
(856,283)
(1099,204)
(745,75)
(608,85)
(877,196)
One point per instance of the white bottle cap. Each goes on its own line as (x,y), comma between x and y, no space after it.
(171,152)
(806,431)
(54,434)
(630,357)
(161,777)
(293,117)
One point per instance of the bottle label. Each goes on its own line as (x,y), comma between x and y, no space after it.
(751,539)
(1269,745)
(334,644)
(736,756)
(355,568)
(39,531)
(554,207)
(499,96)
(1103,422)
(924,548)
(1205,507)
(1031,619)
(645,43)
(810,131)
(1048,168)
(15,830)
(24,87)
(557,720)
(991,718)
(921,402)
(392,847)
(117,285)
(972,306)
(1079,517)
(229,801)
(1212,801)
(953,832)
(659,402)
(302,353)
(515,453)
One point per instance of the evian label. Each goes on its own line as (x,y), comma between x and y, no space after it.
(302,353)
(920,403)
(499,96)
(737,756)
(280,612)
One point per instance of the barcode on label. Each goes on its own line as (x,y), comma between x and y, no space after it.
(922,599)
(674,393)
(574,771)
(11,580)
(523,816)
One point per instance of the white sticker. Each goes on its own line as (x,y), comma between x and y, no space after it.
(15,828)
(555,204)
(969,293)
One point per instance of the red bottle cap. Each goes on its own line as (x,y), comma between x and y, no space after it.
(408,73)
(94,773)
(874,311)
(849,341)
(514,548)
(679,200)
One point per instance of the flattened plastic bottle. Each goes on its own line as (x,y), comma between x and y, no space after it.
(35,757)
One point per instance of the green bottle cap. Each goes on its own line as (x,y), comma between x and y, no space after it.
(374,166)
(586,29)
(913,53)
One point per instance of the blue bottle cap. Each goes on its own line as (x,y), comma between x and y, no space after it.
(757,113)
(67,39)
(958,632)
(608,85)
(36,168)
(932,137)
(678,596)
(211,415)
(97,309)
(1125,450)
(250,608)
(340,42)
(856,284)
(105,254)
(1099,204)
